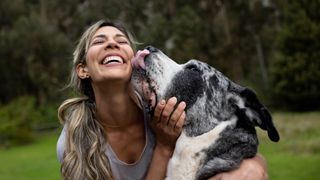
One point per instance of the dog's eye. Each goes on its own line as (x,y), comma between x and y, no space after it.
(193,67)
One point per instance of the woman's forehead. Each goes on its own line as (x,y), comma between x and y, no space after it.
(108,31)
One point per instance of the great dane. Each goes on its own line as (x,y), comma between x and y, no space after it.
(221,116)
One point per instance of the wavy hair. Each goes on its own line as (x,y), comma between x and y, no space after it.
(84,156)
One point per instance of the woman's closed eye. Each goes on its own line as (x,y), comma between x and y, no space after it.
(101,41)
(97,41)
(122,41)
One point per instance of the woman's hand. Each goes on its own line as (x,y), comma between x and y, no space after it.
(250,169)
(167,123)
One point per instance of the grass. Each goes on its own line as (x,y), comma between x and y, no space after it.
(295,157)
(32,162)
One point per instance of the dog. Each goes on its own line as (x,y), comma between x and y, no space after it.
(221,116)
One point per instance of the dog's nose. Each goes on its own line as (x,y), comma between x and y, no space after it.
(151,49)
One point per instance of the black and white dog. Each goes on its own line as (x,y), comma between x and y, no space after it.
(221,116)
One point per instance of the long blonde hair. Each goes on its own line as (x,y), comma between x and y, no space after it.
(84,156)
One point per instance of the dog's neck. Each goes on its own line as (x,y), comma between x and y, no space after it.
(197,125)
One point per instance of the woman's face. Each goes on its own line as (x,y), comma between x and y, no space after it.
(109,56)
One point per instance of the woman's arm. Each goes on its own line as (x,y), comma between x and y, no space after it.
(159,163)
(250,169)
(167,124)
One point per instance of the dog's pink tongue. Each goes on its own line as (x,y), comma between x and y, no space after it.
(138,60)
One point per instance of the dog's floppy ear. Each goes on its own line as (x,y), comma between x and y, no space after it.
(257,113)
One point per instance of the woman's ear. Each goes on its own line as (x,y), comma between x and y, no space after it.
(82,71)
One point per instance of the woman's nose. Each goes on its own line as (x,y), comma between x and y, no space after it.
(111,45)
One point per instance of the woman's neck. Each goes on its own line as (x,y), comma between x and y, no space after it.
(117,108)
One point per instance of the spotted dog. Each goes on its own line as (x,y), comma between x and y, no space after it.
(221,116)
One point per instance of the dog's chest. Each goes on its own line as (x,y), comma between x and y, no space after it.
(189,152)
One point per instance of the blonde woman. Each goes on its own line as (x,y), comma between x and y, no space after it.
(106,133)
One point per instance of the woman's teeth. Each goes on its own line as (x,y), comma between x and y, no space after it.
(112,59)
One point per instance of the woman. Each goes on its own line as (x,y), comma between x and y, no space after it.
(105,134)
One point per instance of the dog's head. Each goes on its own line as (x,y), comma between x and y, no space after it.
(209,95)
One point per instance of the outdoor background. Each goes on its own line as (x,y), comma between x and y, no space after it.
(272,46)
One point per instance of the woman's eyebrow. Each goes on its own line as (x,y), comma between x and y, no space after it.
(100,36)
(120,35)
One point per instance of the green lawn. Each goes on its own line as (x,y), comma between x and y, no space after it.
(32,162)
(295,157)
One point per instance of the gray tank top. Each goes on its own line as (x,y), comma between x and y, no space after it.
(134,171)
(120,169)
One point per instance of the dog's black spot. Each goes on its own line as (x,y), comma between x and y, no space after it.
(192,67)
(233,145)
(244,121)
(213,84)
(214,81)
(190,83)
(251,99)
(197,154)
(151,49)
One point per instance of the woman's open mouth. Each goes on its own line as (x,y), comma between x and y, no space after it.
(112,60)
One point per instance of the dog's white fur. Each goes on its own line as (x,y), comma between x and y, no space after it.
(186,159)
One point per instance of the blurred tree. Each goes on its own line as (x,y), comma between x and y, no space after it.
(34,55)
(245,43)
(296,64)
